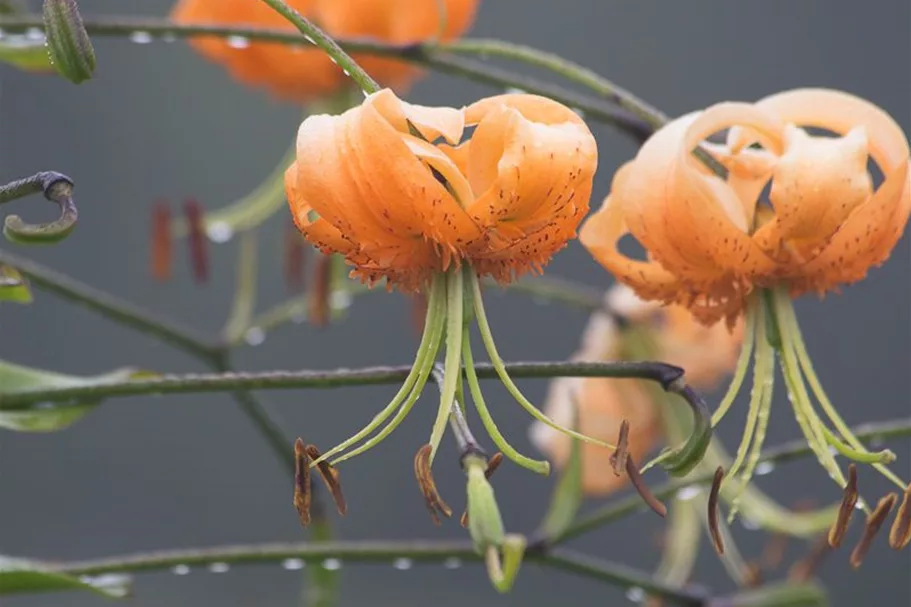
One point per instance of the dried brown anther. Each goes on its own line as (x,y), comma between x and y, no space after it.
(302,493)
(846,510)
(294,260)
(638,483)
(803,570)
(621,453)
(900,533)
(424,475)
(714,529)
(330,477)
(874,522)
(162,243)
(321,292)
(196,239)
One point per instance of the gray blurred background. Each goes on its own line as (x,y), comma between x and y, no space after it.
(152,473)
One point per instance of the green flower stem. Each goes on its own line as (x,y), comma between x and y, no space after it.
(793,450)
(111,307)
(421,551)
(442,59)
(318,37)
(281,380)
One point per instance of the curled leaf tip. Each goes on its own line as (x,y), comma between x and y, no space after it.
(68,43)
(682,461)
(57,188)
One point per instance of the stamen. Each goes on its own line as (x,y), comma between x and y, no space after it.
(792,330)
(500,367)
(330,477)
(162,241)
(743,363)
(302,494)
(294,259)
(424,475)
(320,295)
(199,258)
(714,530)
(846,510)
(642,489)
(621,454)
(452,362)
(427,351)
(874,521)
(900,533)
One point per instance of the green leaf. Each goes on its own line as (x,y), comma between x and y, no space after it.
(48,417)
(22,575)
(13,287)
(776,595)
(567,496)
(26,54)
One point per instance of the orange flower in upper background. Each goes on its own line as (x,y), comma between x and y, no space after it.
(720,251)
(302,74)
(710,241)
(707,354)
(401,208)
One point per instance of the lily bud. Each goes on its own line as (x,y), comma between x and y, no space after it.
(68,43)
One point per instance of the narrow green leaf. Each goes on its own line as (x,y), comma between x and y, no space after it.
(13,287)
(567,496)
(46,417)
(776,595)
(22,576)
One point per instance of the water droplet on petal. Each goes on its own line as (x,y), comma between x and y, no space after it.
(688,493)
(219,567)
(254,336)
(238,42)
(219,232)
(140,37)
(332,564)
(180,569)
(635,594)
(402,564)
(452,563)
(764,468)
(293,564)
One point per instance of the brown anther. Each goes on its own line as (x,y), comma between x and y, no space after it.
(803,570)
(621,453)
(302,482)
(846,510)
(162,242)
(714,529)
(492,464)
(196,240)
(632,471)
(294,259)
(874,522)
(423,473)
(900,533)
(463,520)
(320,292)
(330,477)
(418,312)
(752,575)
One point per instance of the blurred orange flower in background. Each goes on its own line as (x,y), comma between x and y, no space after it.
(401,208)
(302,73)
(710,240)
(707,354)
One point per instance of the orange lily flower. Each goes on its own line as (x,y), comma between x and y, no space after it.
(303,74)
(707,354)
(405,195)
(717,249)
